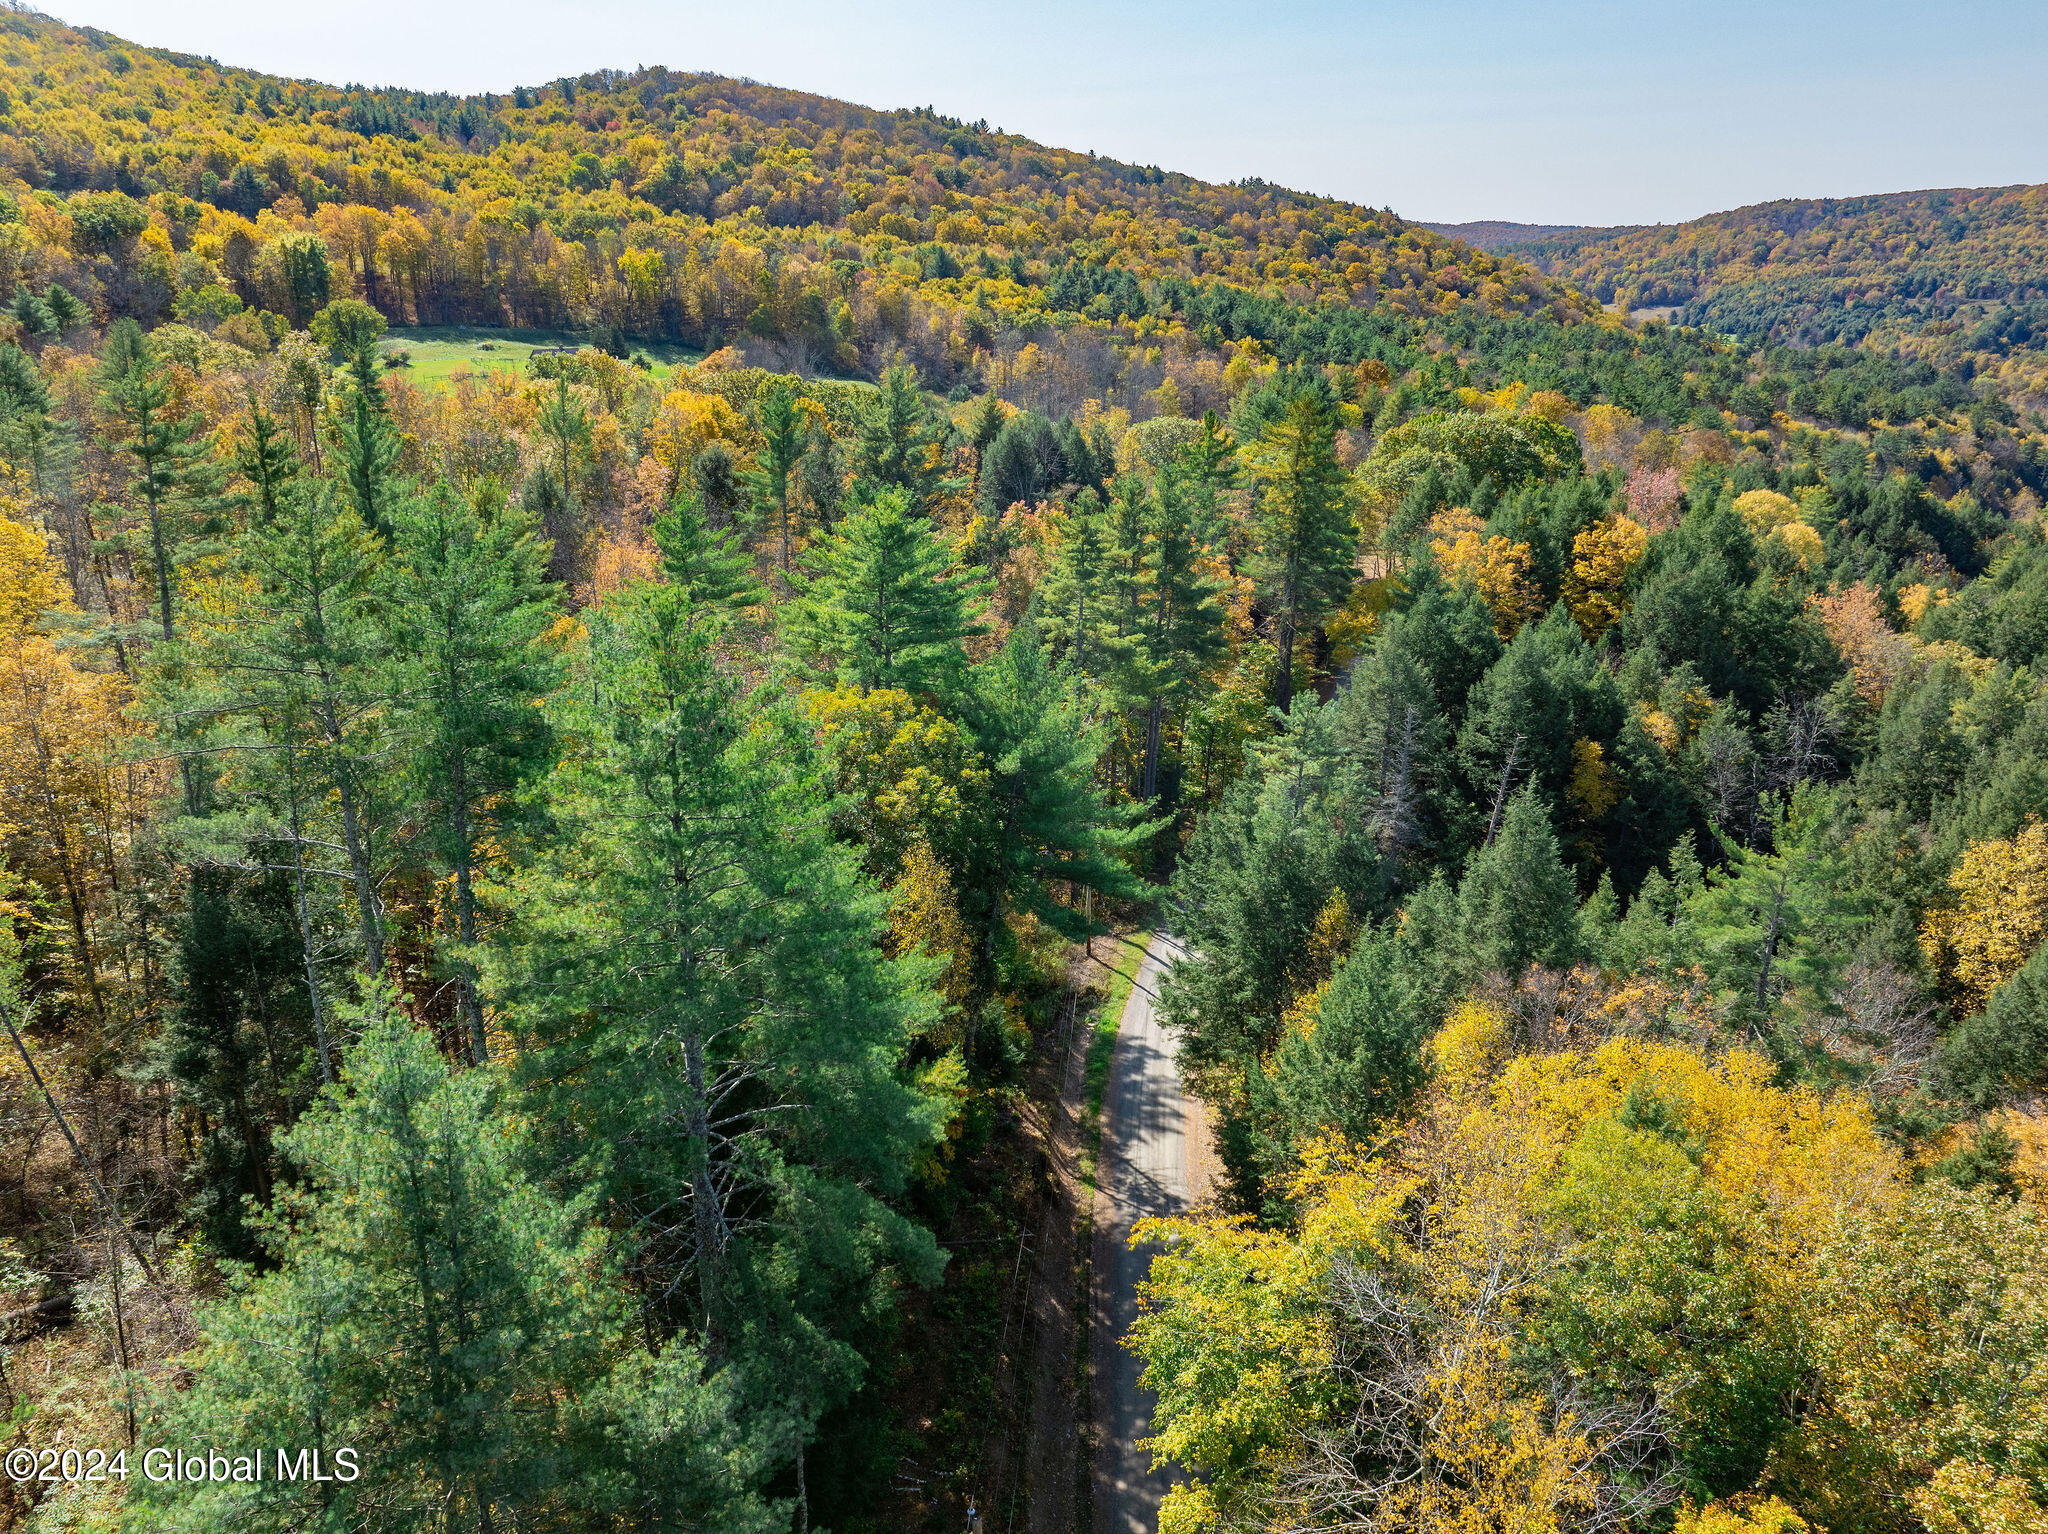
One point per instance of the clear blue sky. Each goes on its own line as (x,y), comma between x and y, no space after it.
(1602,112)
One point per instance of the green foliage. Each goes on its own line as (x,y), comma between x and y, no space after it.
(705,1018)
(432,1309)
(708,567)
(883,603)
(1771,922)
(1517,905)
(2004,1048)
(1305,542)
(1357,1064)
(471,601)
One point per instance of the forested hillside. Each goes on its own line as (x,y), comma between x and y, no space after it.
(540,904)
(1958,276)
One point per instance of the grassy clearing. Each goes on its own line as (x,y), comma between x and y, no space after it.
(439,352)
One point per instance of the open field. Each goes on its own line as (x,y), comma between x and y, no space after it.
(438,352)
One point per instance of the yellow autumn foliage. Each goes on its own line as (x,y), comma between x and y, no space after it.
(911,773)
(1999,917)
(1768,1516)
(31,583)
(1802,540)
(1595,787)
(1494,567)
(1765,509)
(1516,1160)
(685,423)
(1602,557)
(924,917)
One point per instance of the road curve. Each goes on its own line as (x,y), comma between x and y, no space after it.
(1143,1171)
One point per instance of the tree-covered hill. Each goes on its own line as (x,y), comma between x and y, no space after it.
(1957,275)
(1501,234)
(657,202)
(546,910)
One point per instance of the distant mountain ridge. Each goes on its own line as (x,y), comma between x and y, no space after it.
(1493,234)
(1950,272)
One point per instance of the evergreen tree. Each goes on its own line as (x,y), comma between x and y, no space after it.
(1387,716)
(566,424)
(176,481)
(1306,545)
(432,1309)
(1772,921)
(821,476)
(984,425)
(234,1040)
(295,684)
(1072,599)
(2002,1050)
(782,446)
(882,603)
(1254,876)
(706,1019)
(708,567)
(367,443)
(1050,823)
(469,600)
(1357,1061)
(268,463)
(1182,630)
(1517,905)
(902,447)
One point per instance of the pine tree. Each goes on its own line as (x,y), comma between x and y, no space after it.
(782,446)
(294,684)
(1306,545)
(176,480)
(883,605)
(268,463)
(1785,919)
(1072,599)
(367,442)
(983,426)
(821,477)
(1183,625)
(1254,876)
(708,567)
(469,599)
(704,1012)
(566,424)
(1518,905)
(432,1309)
(1051,824)
(901,447)
(1357,1061)
(1387,715)
(2003,1049)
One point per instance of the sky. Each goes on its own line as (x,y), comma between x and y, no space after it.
(1609,112)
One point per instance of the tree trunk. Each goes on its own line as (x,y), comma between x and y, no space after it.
(306,924)
(707,1217)
(99,1192)
(1155,717)
(1283,682)
(465,913)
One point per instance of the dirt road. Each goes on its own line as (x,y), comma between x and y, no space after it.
(1144,1171)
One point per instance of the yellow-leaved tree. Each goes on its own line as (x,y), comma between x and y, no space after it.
(1602,557)
(1494,567)
(1582,1286)
(1999,917)
(911,773)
